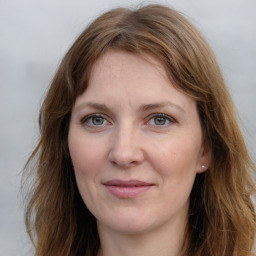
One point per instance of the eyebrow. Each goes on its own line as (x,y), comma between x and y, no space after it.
(97,106)
(142,108)
(152,106)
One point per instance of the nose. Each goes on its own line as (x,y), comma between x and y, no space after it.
(126,149)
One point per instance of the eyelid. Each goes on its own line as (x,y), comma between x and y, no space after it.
(161,115)
(107,119)
(87,117)
(169,118)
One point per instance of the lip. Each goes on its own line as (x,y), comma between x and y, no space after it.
(127,189)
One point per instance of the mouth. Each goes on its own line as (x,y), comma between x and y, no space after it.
(127,189)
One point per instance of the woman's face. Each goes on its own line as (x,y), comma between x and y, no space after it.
(136,145)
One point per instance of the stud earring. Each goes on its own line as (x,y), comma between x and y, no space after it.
(203,166)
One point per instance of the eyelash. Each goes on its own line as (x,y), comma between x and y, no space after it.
(164,116)
(85,120)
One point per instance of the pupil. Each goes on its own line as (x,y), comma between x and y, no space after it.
(97,120)
(160,120)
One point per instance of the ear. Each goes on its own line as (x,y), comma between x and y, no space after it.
(204,159)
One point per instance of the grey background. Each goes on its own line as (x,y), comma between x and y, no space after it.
(34,35)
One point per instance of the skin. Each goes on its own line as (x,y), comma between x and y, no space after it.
(130,139)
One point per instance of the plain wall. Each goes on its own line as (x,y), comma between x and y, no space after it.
(34,36)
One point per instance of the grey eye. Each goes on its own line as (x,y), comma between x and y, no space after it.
(94,120)
(97,120)
(160,120)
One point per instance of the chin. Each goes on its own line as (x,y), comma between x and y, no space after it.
(131,228)
(128,223)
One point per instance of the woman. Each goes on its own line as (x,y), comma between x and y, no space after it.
(140,152)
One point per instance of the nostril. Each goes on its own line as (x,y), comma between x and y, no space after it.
(125,149)
(124,163)
(126,159)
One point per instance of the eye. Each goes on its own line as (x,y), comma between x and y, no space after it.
(160,120)
(95,120)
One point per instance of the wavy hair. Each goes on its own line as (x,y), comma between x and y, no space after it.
(221,218)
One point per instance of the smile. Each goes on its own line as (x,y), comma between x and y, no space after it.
(127,189)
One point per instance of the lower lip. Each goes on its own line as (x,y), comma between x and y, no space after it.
(127,192)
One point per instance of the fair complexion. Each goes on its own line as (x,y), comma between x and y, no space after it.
(136,146)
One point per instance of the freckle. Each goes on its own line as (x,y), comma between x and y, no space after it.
(174,154)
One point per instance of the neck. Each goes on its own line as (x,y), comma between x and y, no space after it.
(165,241)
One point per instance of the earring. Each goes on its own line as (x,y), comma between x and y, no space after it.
(203,166)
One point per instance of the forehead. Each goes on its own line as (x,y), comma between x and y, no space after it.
(121,77)
(118,68)
(118,60)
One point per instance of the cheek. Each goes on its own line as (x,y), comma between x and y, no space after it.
(86,154)
(87,161)
(176,157)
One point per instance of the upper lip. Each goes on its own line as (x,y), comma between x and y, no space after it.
(126,183)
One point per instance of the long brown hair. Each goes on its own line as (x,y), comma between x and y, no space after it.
(221,215)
